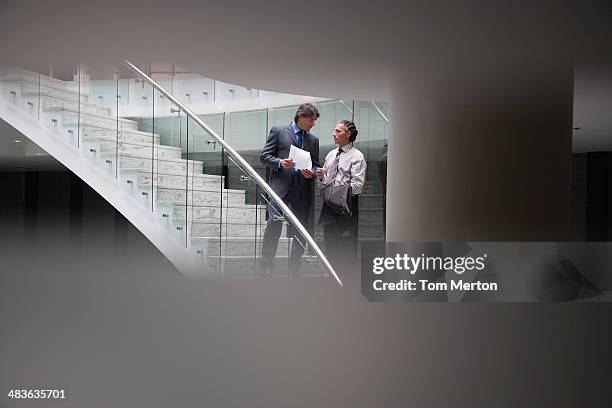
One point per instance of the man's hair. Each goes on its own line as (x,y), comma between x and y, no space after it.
(307,110)
(351,128)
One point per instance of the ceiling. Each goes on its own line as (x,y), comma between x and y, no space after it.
(345,49)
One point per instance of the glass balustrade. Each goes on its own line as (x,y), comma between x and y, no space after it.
(165,159)
(206,186)
(371,118)
(193,89)
(99,122)
(245,132)
(21,88)
(62,106)
(281,116)
(189,88)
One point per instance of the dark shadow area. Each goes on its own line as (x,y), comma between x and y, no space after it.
(51,217)
(592,197)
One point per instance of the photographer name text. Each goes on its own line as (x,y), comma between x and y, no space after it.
(413,264)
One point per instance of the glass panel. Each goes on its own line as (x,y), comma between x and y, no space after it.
(225,92)
(140,95)
(162,74)
(331,112)
(21,88)
(193,89)
(206,186)
(98,121)
(283,250)
(383,108)
(103,90)
(200,142)
(168,124)
(125,135)
(60,104)
(246,132)
(371,119)
(171,168)
(281,116)
(241,226)
(243,219)
(137,146)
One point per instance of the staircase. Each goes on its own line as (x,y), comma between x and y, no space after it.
(199,224)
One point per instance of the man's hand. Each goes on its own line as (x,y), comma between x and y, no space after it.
(307,173)
(287,164)
(320,173)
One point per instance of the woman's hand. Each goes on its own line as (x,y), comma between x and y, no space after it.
(320,173)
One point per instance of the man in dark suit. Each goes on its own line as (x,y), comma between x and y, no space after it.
(293,186)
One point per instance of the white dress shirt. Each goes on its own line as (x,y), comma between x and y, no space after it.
(351,168)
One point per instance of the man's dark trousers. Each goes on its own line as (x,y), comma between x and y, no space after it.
(274,226)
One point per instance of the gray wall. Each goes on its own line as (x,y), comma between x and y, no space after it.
(159,341)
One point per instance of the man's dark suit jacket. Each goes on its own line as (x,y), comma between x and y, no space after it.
(286,182)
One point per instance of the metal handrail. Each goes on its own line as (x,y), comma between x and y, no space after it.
(245,166)
(379,111)
(345,105)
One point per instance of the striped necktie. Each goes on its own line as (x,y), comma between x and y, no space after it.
(333,169)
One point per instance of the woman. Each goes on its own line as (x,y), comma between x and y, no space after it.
(345,165)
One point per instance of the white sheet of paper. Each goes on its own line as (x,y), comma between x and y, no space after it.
(300,157)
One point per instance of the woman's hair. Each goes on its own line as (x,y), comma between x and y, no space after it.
(351,128)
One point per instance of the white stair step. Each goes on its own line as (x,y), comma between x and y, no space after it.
(165,165)
(129,136)
(158,151)
(193,182)
(200,198)
(229,229)
(214,213)
(212,178)
(59,93)
(55,103)
(71,117)
(176,211)
(237,246)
